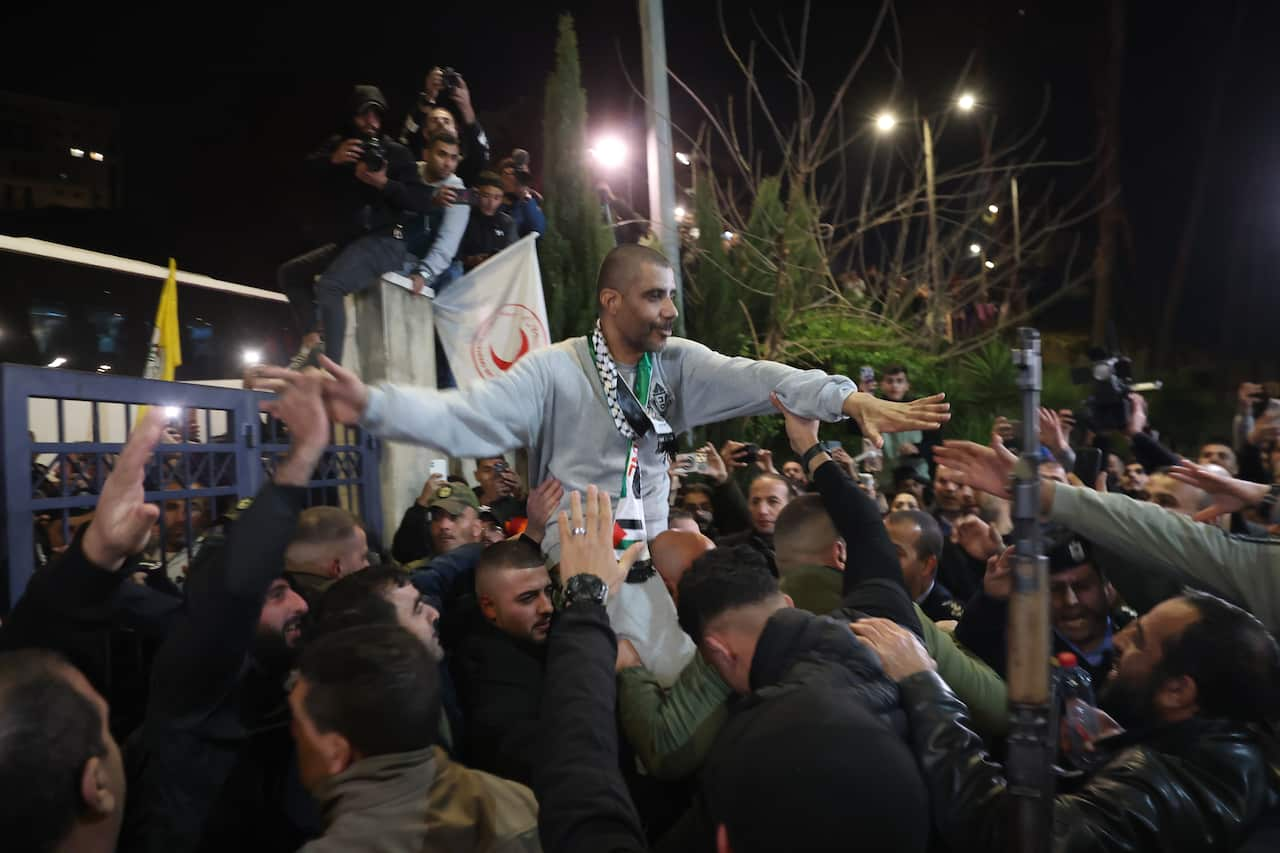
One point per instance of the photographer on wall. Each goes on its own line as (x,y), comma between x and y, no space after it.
(522,203)
(372,186)
(444,105)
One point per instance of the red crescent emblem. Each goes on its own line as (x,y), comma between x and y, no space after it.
(505,365)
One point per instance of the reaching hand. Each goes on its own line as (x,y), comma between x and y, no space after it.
(542,502)
(843,459)
(1229,494)
(901,653)
(591,552)
(801,432)
(984,468)
(877,416)
(997,583)
(434,482)
(1051,432)
(300,405)
(716,468)
(979,540)
(123,519)
(345,396)
(1137,415)
(729,454)
(764,461)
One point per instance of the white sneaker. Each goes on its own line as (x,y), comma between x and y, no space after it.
(406,282)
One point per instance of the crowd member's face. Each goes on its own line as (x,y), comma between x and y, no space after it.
(895,386)
(646,311)
(442,160)
(1079,603)
(1174,496)
(369,121)
(795,473)
(449,531)
(491,532)
(280,622)
(765,501)
(1130,693)
(509,183)
(914,488)
(518,603)
(949,493)
(699,506)
(904,501)
(102,784)
(1135,477)
(917,571)
(489,199)
(1053,471)
(440,120)
(1219,454)
(417,617)
(175,521)
(492,485)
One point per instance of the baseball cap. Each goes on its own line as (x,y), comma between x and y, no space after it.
(454,499)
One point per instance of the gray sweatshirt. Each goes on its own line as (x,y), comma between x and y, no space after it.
(552,403)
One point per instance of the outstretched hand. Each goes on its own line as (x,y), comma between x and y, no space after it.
(123,519)
(591,552)
(801,432)
(901,652)
(876,416)
(1228,493)
(986,469)
(542,502)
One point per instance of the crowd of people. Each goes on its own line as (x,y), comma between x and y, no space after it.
(609,645)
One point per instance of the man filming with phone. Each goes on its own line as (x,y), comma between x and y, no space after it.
(371,185)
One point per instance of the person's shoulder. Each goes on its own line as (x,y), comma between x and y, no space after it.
(469,801)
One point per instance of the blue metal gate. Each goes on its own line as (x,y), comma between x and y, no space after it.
(61,429)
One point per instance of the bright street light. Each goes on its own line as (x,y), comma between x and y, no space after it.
(252,356)
(993,209)
(886,121)
(966,102)
(95,156)
(695,232)
(58,361)
(609,151)
(975,249)
(728,235)
(679,212)
(77,152)
(172,411)
(990,265)
(103,368)
(683,158)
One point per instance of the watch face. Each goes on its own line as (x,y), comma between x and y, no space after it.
(585,587)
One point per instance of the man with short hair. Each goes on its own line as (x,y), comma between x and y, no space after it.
(489,230)
(1219,453)
(435,111)
(521,202)
(1195,680)
(1134,481)
(905,449)
(952,498)
(363,710)
(918,542)
(794,471)
(455,518)
(1174,495)
(498,666)
(604,410)
(432,238)
(329,543)
(674,551)
(766,497)
(60,769)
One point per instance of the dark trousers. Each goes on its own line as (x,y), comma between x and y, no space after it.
(352,268)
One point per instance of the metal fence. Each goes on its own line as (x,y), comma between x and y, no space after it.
(61,431)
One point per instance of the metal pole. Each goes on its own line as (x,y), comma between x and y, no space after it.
(941,298)
(1030,742)
(1017,242)
(657,114)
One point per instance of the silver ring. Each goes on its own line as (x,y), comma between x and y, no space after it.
(579,531)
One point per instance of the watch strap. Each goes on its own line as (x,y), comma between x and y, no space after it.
(809,455)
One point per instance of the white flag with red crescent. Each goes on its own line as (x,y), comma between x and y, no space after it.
(495,314)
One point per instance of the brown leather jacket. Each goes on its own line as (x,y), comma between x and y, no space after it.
(1200,785)
(422,802)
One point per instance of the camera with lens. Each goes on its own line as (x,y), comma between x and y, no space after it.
(452,79)
(1111,376)
(374,155)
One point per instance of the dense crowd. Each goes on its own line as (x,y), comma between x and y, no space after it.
(610,645)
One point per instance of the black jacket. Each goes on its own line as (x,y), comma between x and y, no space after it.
(475,144)
(486,235)
(213,765)
(1193,786)
(940,605)
(499,682)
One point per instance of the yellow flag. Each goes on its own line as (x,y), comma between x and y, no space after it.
(165,354)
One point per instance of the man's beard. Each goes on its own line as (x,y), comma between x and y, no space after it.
(1129,704)
(270,649)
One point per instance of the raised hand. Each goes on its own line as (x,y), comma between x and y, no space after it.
(979,540)
(1052,434)
(901,653)
(300,405)
(729,454)
(984,468)
(1228,493)
(542,502)
(997,583)
(123,519)
(716,466)
(591,551)
(801,432)
(876,416)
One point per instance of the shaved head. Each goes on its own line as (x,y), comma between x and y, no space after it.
(673,552)
(625,265)
(804,533)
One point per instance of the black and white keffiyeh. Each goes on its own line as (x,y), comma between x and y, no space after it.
(609,380)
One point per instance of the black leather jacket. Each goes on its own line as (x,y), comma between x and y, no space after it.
(1200,785)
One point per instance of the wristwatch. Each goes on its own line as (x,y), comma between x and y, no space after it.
(585,587)
(810,454)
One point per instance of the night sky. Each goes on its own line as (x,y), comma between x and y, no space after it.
(219,109)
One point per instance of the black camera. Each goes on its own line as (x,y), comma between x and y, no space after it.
(1108,407)
(374,155)
(452,79)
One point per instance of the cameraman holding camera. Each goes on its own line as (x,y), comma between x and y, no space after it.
(522,201)
(374,186)
(445,91)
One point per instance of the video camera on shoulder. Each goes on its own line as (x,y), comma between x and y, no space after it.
(1108,407)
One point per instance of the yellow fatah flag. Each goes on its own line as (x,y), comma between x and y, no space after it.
(165,354)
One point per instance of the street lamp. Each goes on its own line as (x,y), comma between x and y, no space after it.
(610,152)
(679,212)
(975,249)
(989,265)
(966,102)
(886,121)
(683,158)
(252,357)
(58,361)
(993,209)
